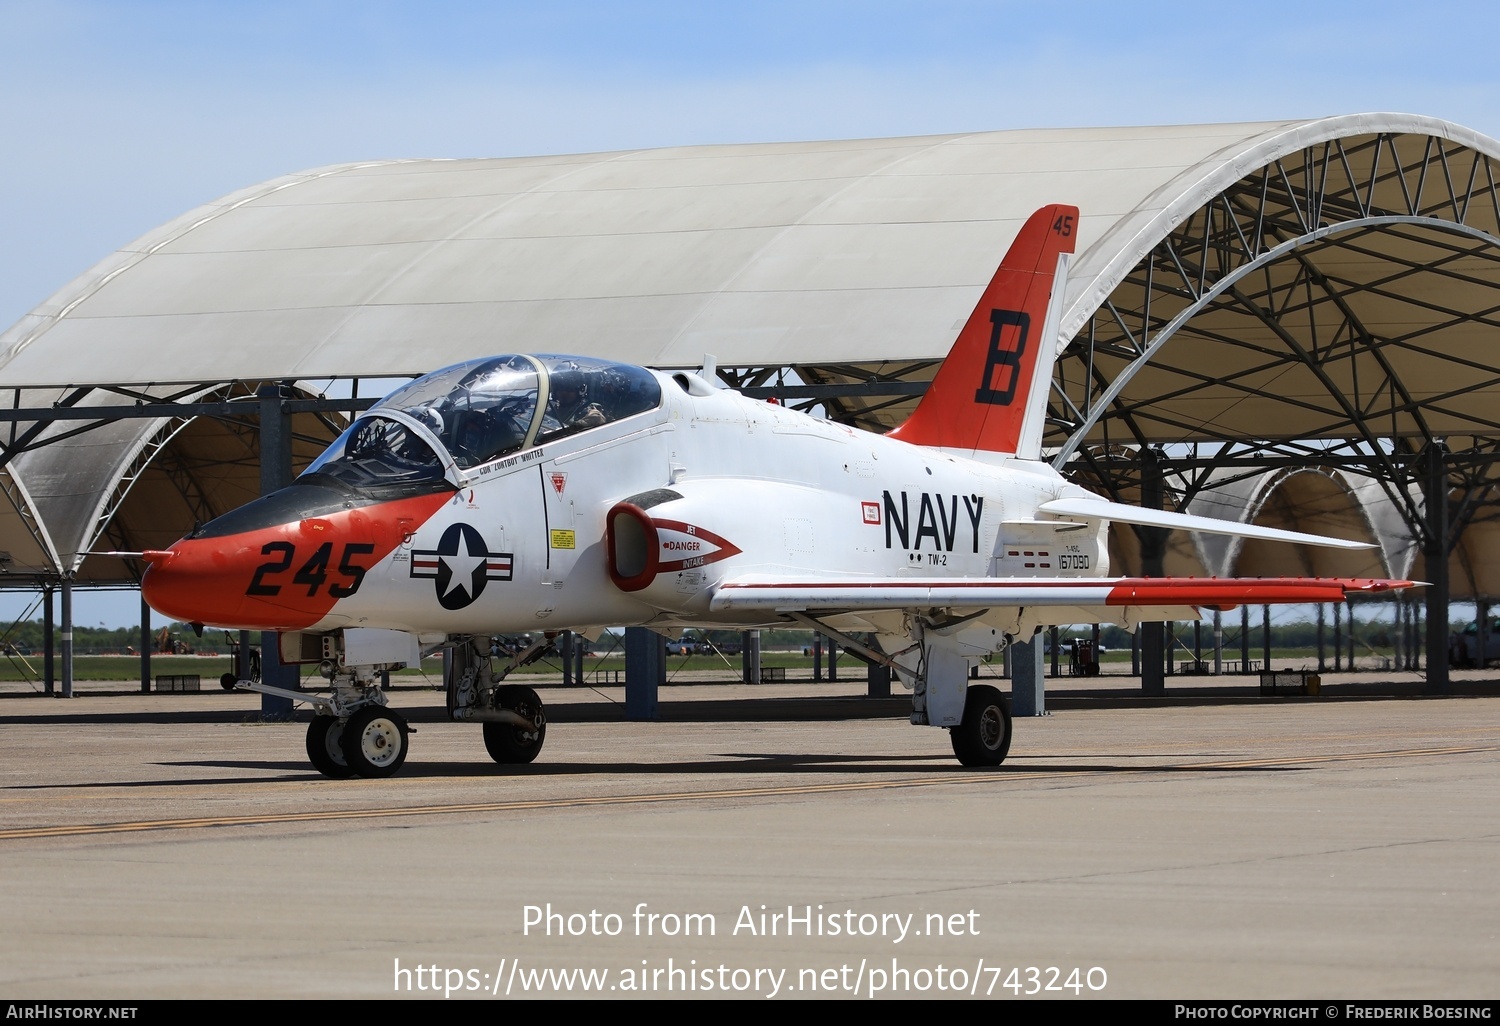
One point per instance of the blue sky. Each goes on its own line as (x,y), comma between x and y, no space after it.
(119,116)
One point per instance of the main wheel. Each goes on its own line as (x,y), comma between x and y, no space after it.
(983,737)
(374,741)
(325,748)
(510,744)
(227,681)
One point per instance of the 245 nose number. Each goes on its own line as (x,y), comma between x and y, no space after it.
(312,574)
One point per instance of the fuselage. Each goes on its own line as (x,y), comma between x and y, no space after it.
(633,521)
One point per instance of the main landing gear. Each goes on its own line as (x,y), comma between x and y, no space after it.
(515,724)
(933,660)
(982,738)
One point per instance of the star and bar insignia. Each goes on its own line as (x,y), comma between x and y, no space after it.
(461,565)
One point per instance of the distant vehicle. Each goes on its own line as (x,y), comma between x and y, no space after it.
(1463,649)
(683,646)
(1083,657)
(725,643)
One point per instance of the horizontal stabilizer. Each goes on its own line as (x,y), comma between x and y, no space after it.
(1103,509)
(868,594)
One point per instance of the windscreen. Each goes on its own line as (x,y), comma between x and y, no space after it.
(374,452)
(479,410)
(482,410)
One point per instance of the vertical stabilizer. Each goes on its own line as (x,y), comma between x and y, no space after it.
(990,394)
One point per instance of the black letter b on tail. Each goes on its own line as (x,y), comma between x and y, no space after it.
(1007,359)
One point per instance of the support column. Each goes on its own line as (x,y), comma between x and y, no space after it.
(1338,637)
(145,646)
(1244,639)
(817,654)
(1436,496)
(242,658)
(1153,550)
(1322,662)
(1398,636)
(833,660)
(1482,619)
(1027,678)
(1349,603)
(877,675)
(49,645)
(645,672)
(1265,637)
(1052,638)
(750,656)
(1418,643)
(275,474)
(67,635)
(1218,642)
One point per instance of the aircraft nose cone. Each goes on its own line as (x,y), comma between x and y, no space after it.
(189,582)
(277,565)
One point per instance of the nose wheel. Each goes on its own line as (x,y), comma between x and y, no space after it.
(325,747)
(374,741)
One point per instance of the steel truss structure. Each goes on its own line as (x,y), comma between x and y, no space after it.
(1326,310)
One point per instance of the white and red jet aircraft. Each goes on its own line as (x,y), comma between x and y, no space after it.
(542,493)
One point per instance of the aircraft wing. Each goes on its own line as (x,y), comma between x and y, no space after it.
(852,594)
(1103,509)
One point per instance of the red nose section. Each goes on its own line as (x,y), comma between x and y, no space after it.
(281,578)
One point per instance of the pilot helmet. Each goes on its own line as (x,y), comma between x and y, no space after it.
(569,379)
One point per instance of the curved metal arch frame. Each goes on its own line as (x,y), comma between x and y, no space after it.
(1273,489)
(1287,199)
(1101,405)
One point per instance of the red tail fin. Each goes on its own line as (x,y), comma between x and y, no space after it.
(999,367)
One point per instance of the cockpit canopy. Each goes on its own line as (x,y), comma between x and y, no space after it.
(474,412)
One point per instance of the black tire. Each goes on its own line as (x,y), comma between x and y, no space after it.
(228,681)
(325,747)
(983,738)
(508,744)
(374,741)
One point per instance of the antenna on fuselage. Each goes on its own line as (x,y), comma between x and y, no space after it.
(710,370)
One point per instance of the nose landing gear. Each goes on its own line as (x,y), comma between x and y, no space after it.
(352,732)
(325,749)
(374,741)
